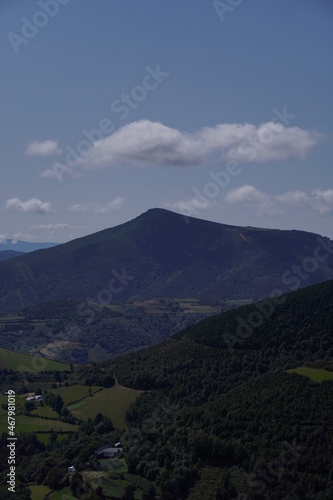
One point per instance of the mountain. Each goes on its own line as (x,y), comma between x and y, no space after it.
(9,254)
(24,246)
(163,254)
(235,413)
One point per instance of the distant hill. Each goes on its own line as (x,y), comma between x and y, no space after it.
(57,330)
(24,246)
(163,254)
(297,330)
(9,254)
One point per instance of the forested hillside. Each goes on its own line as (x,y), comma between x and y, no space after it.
(235,408)
(221,415)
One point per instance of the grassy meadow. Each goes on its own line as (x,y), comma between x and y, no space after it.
(75,392)
(27,363)
(28,424)
(315,374)
(112,402)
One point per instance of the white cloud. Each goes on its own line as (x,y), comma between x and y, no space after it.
(79,207)
(58,174)
(247,194)
(3,238)
(43,148)
(48,174)
(152,143)
(99,208)
(319,200)
(23,237)
(322,201)
(294,198)
(272,142)
(54,226)
(30,206)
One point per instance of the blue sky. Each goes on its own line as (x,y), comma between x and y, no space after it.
(221,110)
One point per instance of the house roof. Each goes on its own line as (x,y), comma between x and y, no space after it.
(109,453)
(104,447)
(110,450)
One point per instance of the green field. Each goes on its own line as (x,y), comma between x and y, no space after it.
(64,494)
(113,403)
(173,306)
(38,491)
(315,374)
(45,437)
(45,411)
(74,392)
(26,363)
(30,424)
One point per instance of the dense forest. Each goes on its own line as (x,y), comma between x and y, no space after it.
(212,404)
(221,415)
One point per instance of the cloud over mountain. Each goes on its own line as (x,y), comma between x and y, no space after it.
(319,200)
(151,143)
(99,208)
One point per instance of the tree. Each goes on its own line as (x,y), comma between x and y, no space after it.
(99,491)
(77,485)
(129,492)
(106,381)
(149,495)
(29,406)
(53,478)
(59,403)
(132,461)
(99,418)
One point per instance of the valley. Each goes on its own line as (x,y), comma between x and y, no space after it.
(204,391)
(56,330)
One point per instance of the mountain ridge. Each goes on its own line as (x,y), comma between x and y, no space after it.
(24,246)
(166,255)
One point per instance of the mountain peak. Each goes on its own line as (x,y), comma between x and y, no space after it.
(168,255)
